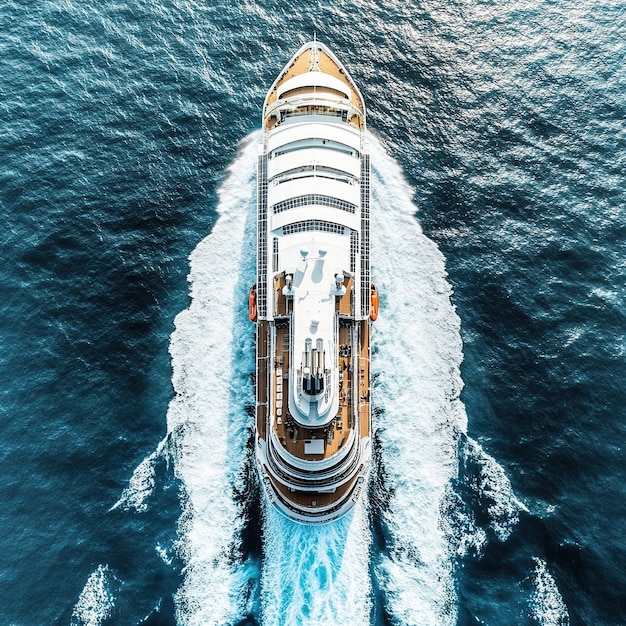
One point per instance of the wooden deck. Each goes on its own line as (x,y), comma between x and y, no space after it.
(354,396)
(324,63)
(290,434)
(364,379)
(353,364)
(315,499)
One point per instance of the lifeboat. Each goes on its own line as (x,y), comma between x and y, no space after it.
(252,311)
(373,303)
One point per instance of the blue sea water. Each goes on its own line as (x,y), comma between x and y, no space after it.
(127,150)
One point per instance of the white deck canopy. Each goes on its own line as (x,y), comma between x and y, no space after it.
(314,79)
(298,131)
(311,185)
(314,156)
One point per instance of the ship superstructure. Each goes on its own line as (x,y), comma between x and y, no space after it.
(313,299)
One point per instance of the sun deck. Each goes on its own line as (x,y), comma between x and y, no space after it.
(353,364)
(300,442)
(311,60)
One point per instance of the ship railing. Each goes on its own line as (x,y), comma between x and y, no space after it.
(365,235)
(346,501)
(313,468)
(262,236)
(304,483)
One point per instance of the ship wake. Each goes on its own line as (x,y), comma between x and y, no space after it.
(396,552)
(316,574)
(212,358)
(416,364)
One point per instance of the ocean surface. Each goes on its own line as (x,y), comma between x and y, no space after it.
(128,141)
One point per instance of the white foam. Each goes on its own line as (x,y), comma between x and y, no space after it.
(212,357)
(492,493)
(97,599)
(494,488)
(417,360)
(316,575)
(465,536)
(164,553)
(141,483)
(547,606)
(320,575)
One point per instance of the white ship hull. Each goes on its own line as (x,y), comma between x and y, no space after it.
(313,300)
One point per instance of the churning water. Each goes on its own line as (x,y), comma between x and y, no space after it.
(127,152)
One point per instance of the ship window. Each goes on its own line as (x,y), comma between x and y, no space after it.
(313,110)
(275,254)
(307,225)
(354,246)
(314,198)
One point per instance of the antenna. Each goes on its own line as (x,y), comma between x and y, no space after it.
(315,55)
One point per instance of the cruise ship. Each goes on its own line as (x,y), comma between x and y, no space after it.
(313,300)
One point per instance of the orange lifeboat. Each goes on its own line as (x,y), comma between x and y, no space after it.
(252,312)
(373,303)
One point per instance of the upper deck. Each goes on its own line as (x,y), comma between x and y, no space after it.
(314,82)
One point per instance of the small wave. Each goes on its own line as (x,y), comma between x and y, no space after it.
(465,536)
(212,358)
(165,554)
(97,599)
(492,489)
(481,492)
(547,606)
(141,483)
